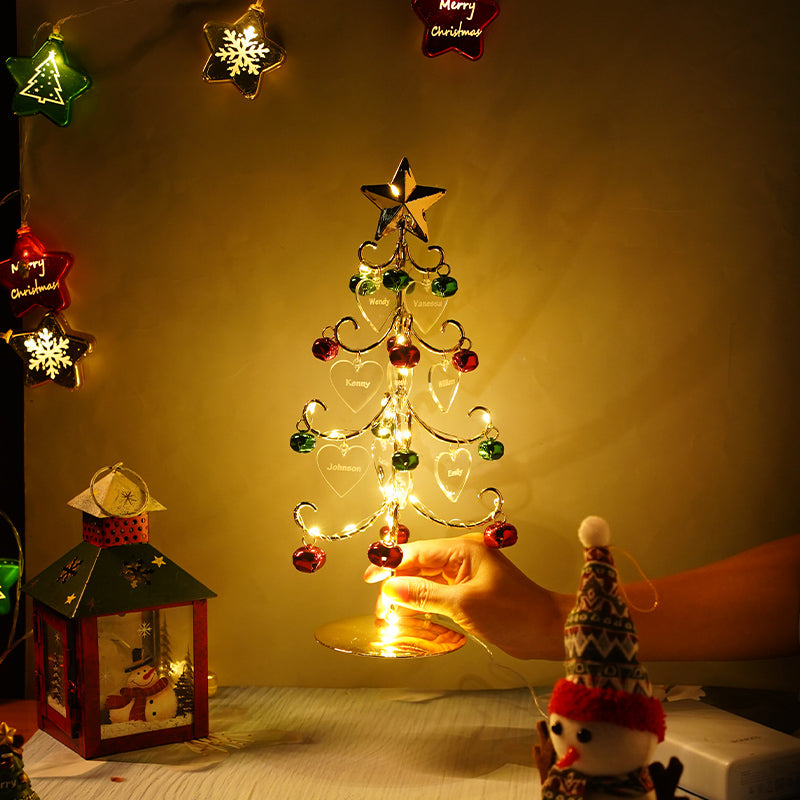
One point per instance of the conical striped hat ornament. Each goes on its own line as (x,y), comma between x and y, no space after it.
(604,680)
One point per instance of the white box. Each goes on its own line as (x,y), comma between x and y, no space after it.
(727,757)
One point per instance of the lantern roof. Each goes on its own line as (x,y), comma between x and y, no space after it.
(120,492)
(90,581)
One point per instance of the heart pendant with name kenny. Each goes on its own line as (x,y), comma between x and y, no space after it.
(343,468)
(355,383)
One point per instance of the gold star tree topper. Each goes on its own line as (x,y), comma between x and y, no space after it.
(402,199)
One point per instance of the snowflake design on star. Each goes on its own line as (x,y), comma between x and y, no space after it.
(135,572)
(243,51)
(48,353)
(145,629)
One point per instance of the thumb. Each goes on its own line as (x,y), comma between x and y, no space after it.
(419,594)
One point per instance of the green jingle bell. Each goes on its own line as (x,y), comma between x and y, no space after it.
(444,286)
(491,449)
(362,285)
(405,460)
(303,442)
(395,280)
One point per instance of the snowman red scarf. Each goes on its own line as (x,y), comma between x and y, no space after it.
(139,698)
(569,784)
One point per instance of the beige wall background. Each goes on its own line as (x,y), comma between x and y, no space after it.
(621,215)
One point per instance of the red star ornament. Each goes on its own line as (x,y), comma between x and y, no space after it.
(455,25)
(34,276)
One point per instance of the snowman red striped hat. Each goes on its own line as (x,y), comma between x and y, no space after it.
(604,680)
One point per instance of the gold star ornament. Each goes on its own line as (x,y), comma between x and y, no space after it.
(403,201)
(6,735)
(51,352)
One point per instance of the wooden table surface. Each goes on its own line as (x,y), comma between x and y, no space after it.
(287,743)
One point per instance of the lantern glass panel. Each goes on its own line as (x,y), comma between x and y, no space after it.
(55,678)
(146,664)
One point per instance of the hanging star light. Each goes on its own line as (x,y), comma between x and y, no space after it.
(46,83)
(9,574)
(51,352)
(454,25)
(241,52)
(34,276)
(402,199)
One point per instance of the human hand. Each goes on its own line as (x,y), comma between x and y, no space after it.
(480,590)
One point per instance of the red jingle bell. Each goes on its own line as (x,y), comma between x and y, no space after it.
(382,555)
(465,360)
(325,348)
(403,533)
(308,558)
(500,534)
(404,356)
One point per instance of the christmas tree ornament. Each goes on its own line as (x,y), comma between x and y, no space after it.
(302,442)
(402,200)
(360,284)
(465,360)
(35,276)
(14,781)
(491,449)
(444,286)
(241,52)
(308,558)
(9,575)
(499,534)
(454,25)
(51,352)
(604,721)
(120,632)
(405,290)
(46,82)
(325,348)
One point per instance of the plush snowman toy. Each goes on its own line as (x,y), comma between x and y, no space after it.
(604,722)
(146,697)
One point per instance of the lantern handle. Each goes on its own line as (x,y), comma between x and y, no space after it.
(135,476)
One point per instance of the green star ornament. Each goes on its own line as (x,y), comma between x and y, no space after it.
(9,574)
(403,199)
(46,83)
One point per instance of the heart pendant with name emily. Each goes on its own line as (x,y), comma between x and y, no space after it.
(356,382)
(452,471)
(343,467)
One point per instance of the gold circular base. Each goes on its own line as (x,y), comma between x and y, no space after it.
(411,637)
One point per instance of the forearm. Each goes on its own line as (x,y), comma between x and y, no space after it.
(743,607)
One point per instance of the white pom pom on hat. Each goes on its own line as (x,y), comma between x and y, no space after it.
(594,532)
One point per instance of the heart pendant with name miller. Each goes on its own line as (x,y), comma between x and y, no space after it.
(343,468)
(356,383)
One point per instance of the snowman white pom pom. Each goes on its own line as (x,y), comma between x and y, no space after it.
(594,532)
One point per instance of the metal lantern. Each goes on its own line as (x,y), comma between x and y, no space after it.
(120,631)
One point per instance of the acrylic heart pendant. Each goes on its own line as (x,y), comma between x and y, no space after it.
(443,385)
(356,383)
(343,467)
(426,308)
(376,308)
(452,472)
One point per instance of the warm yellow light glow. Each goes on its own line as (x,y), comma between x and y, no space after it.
(314,531)
(350,528)
(394,190)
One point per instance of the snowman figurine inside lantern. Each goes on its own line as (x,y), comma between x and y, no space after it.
(121,644)
(604,722)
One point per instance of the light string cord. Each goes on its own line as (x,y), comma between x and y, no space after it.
(510,670)
(644,577)
(56,26)
(11,644)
